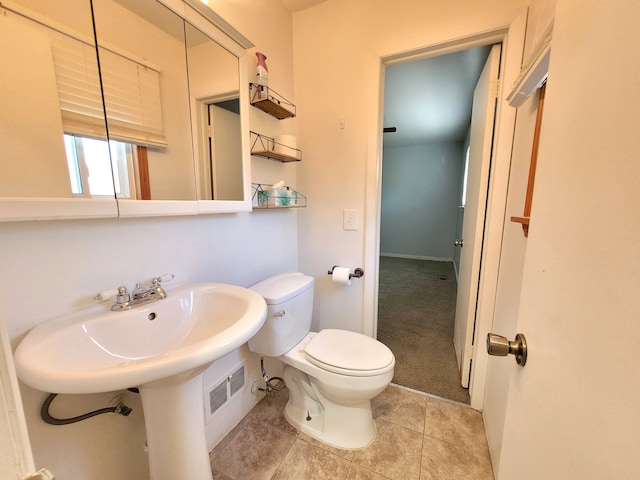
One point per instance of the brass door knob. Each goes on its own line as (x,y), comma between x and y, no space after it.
(500,346)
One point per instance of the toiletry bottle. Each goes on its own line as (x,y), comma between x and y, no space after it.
(262,75)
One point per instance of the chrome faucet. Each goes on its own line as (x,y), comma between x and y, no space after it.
(139,295)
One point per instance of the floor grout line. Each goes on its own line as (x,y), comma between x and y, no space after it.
(431,395)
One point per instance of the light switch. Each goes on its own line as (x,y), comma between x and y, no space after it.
(349,219)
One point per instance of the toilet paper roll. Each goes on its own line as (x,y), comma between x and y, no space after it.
(286,145)
(341,275)
(286,140)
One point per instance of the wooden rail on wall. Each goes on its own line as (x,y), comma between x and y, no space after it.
(524,220)
(143,174)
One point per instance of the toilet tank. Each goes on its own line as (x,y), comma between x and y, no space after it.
(289,298)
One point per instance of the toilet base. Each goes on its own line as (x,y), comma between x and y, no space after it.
(364,426)
(342,426)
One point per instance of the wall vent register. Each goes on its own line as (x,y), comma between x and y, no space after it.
(225,390)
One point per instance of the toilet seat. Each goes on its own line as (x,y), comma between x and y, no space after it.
(349,353)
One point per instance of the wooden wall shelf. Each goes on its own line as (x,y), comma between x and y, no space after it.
(269,101)
(267,147)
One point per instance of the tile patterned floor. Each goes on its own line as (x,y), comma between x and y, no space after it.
(418,438)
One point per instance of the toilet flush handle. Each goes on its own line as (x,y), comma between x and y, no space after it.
(281,313)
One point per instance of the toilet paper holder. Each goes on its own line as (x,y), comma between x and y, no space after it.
(357,273)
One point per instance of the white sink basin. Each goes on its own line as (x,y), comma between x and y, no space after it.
(162,348)
(102,351)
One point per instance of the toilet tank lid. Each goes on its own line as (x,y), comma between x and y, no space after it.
(283,287)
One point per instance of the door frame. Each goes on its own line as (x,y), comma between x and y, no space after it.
(202,132)
(512,37)
(16,457)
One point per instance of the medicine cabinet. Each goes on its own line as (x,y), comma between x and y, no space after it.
(171,136)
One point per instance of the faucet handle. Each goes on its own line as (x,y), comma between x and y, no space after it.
(167,277)
(120,292)
(103,295)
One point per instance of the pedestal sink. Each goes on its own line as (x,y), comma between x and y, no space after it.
(162,348)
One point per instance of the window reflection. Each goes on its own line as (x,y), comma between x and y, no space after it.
(90,171)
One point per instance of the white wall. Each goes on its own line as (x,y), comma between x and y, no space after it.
(55,267)
(420,198)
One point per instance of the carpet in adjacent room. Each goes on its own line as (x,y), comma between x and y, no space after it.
(416,314)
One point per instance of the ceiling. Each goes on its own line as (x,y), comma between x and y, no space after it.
(430,100)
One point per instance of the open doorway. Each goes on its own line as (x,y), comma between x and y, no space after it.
(424,170)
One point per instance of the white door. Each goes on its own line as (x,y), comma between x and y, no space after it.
(16,459)
(573,411)
(482,123)
(225,154)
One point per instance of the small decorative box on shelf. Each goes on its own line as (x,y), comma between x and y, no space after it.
(268,147)
(264,196)
(269,101)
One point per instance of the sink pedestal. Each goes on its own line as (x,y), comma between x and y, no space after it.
(175,426)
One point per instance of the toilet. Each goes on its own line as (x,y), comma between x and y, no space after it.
(332,375)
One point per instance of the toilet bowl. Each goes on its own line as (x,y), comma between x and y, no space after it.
(332,375)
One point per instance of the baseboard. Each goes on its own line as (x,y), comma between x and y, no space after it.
(416,257)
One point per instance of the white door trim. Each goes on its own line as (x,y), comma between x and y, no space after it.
(15,452)
(512,38)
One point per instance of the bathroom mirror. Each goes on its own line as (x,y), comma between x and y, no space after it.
(215,105)
(219,105)
(55,154)
(162,158)
(141,47)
